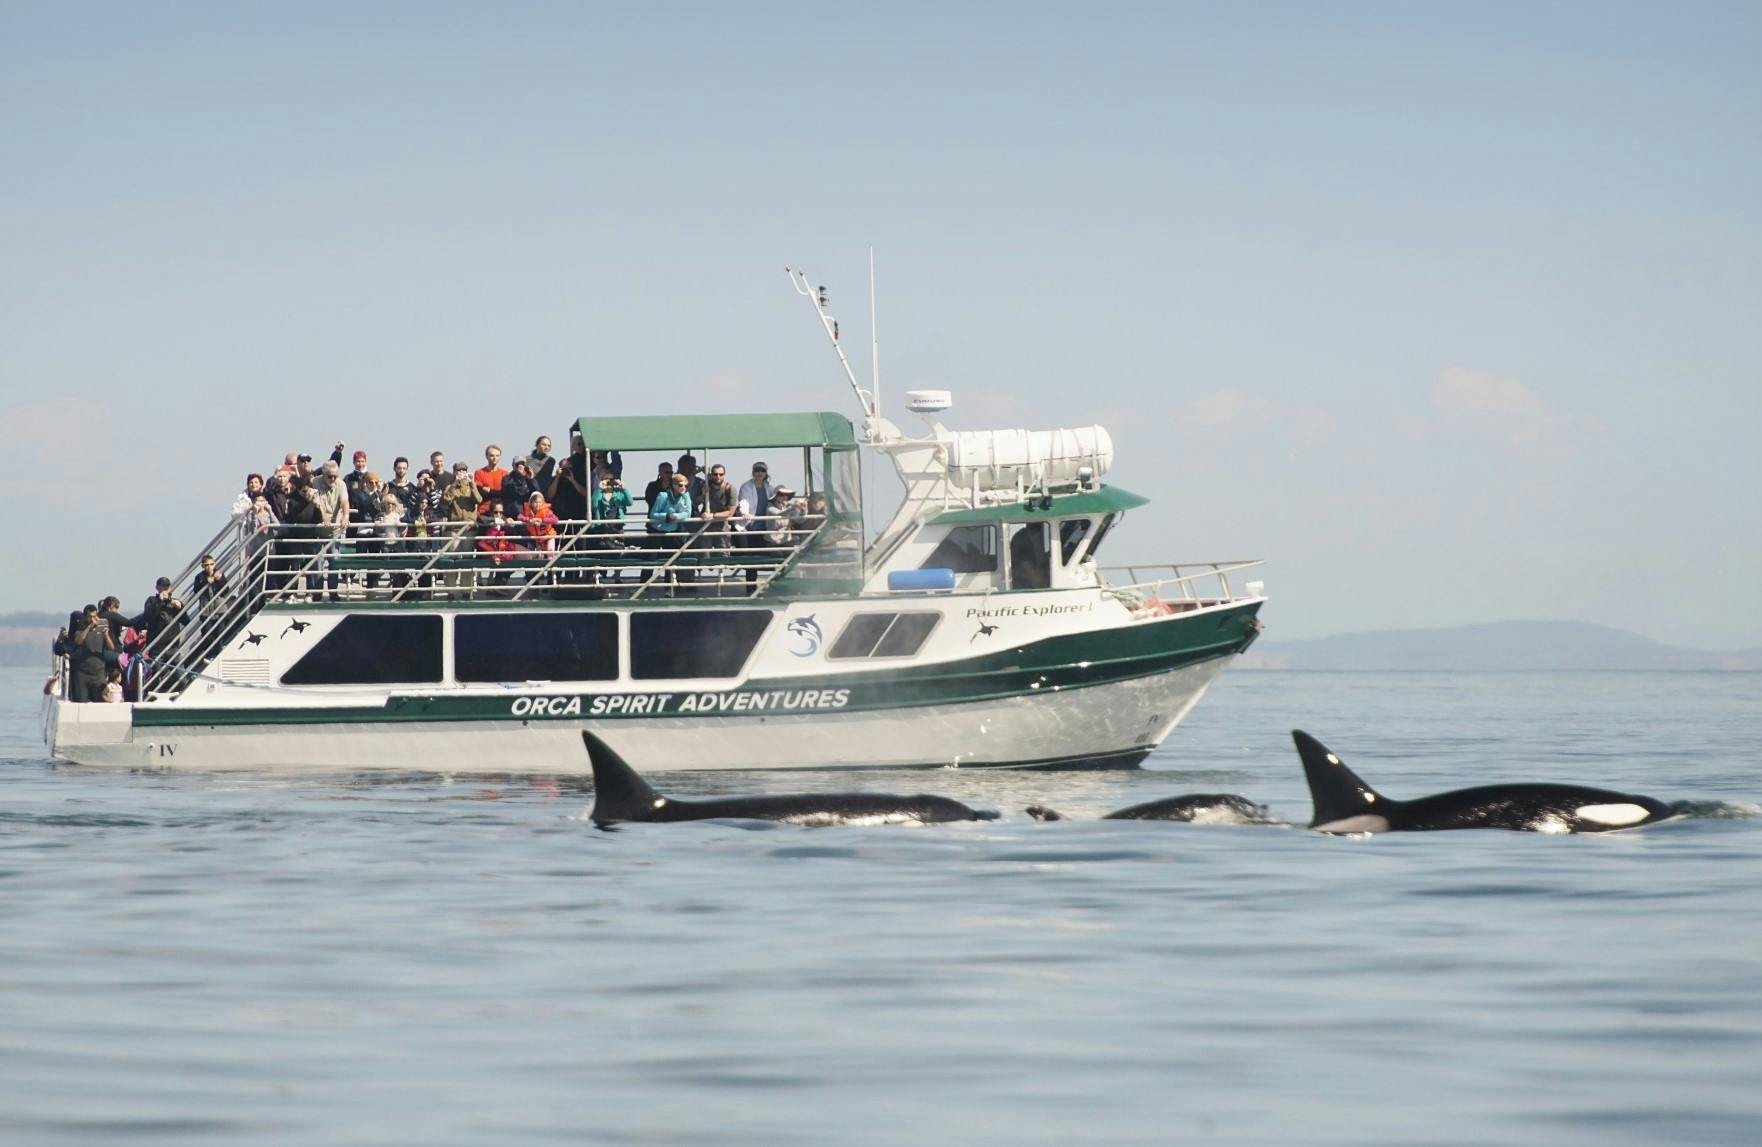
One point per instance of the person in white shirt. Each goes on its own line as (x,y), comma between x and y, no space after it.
(752,514)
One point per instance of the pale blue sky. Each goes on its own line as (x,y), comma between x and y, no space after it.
(1449,314)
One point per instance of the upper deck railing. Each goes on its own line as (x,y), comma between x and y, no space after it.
(465,562)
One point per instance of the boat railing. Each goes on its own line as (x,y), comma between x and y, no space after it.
(1164,588)
(458,562)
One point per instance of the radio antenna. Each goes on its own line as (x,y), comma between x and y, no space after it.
(874,344)
(817,297)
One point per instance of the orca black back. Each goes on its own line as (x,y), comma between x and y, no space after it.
(620,794)
(1344,803)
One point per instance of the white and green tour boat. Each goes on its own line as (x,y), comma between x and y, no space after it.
(975,629)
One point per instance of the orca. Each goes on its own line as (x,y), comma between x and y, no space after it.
(1194,808)
(1345,804)
(619,795)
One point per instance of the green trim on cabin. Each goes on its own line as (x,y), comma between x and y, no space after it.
(718,431)
(1106,500)
(1069,661)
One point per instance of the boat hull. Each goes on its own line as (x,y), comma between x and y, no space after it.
(1111,724)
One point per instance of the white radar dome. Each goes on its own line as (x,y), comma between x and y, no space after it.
(928,401)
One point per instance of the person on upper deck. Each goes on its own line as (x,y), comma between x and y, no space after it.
(460,498)
(438,472)
(489,478)
(719,502)
(752,514)
(281,483)
(540,523)
(517,488)
(611,501)
(254,489)
(359,474)
(688,466)
(670,512)
(543,463)
(662,484)
(403,488)
(567,492)
(332,499)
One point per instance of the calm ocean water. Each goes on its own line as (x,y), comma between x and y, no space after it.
(243,959)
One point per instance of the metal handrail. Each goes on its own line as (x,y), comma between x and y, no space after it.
(1139,593)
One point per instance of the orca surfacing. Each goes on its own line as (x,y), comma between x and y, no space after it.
(1345,804)
(620,794)
(1191,808)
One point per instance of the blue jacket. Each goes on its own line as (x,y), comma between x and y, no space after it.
(678,505)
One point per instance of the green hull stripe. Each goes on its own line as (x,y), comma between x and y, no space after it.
(1072,661)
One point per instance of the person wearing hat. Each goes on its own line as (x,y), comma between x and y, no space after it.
(752,514)
(785,511)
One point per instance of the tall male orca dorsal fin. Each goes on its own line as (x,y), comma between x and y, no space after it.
(1341,797)
(618,792)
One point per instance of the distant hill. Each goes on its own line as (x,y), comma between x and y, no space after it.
(25,637)
(1508,645)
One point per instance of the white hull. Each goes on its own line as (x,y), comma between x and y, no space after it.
(1113,723)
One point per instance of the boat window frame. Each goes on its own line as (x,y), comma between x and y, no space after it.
(894,616)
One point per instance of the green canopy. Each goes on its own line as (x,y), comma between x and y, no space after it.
(717,431)
(1105,500)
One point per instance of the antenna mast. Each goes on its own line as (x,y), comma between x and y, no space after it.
(817,296)
(874,344)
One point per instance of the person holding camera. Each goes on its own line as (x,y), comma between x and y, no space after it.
(611,501)
(90,644)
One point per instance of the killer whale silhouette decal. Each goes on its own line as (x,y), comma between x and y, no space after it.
(620,794)
(1345,804)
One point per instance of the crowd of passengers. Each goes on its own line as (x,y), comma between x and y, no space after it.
(522,509)
(101,643)
(529,508)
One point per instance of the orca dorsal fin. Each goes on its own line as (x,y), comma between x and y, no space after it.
(1340,796)
(619,793)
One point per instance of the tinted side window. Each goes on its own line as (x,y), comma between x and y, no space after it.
(694,643)
(966,549)
(906,636)
(883,635)
(535,647)
(365,650)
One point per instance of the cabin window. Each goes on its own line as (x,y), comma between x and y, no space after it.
(369,650)
(966,549)
(535,647)
(669,643)
(883,635)
(1030,562)
(1107,524)
(1071,533)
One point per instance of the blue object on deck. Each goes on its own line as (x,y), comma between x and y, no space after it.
(920,581)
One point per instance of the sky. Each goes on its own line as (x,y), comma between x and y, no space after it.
(1448,313)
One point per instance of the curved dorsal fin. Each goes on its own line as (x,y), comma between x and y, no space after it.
(1339,793)
(618,792)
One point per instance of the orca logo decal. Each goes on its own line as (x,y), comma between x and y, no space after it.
(807,633)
